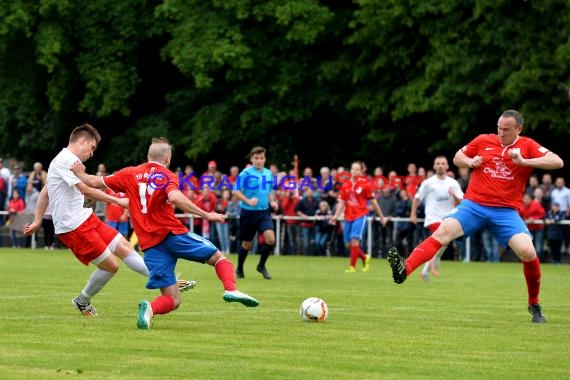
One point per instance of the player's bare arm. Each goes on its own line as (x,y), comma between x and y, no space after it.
(456,199)
(549,161)
(378,211)
(272,202)
(241,196)
(39,212)
(463,161)
(90,180)
(100,196)
(414,210)
(182,202)
(339,208)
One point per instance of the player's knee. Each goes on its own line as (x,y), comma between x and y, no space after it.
(110,265)
(215,258)
(246,245)
(444,234)
(526,253)
(123,248)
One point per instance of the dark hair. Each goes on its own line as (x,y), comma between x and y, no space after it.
(87,131)
(362,165)
(515,115)
(256,150)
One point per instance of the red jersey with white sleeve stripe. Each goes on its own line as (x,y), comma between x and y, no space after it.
(147,187)
(499,182)
(356,196)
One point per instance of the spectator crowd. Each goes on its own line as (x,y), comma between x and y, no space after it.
(307,201)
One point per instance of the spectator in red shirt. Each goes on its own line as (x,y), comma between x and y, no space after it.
(15,206)
(532,211)
(207,201)
(288,205)
(117,216)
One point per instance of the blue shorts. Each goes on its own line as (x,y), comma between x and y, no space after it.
(122,227)
(161,259)
(252,221)
(354,229)
(502,222)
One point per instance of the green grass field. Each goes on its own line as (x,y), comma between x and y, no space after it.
(471,323)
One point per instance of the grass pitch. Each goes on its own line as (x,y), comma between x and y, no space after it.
(471,323)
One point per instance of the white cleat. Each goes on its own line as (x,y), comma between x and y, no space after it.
(145,315)
(237,296)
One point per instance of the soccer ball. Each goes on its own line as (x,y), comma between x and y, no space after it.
(314,309)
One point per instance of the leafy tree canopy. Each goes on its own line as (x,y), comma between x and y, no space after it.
(387,81)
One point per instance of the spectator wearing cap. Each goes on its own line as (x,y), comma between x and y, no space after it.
(18,181)
(212,169)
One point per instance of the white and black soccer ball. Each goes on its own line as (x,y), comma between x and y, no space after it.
(314,309)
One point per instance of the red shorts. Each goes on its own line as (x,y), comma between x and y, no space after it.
(89,240)
(432,227)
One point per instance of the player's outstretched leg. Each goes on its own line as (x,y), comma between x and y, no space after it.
(398,265)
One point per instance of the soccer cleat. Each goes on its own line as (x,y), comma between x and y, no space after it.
(367,263)
(350,269)
(87,310)
(398,265)
(536,312)
(239,273)
(145,315)
(264,272)
(184,285)
(424,276)
(237,296)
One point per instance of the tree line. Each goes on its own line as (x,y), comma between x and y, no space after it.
(387,81)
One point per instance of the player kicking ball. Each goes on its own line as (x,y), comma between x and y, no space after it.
(153,192)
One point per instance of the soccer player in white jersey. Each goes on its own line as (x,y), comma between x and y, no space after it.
(440,194)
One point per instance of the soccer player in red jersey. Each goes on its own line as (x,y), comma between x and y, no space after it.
(90,240)
(502,164)
(153,191)
(353,199)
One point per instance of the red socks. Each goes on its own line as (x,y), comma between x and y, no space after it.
(226,273)
(355,253)
(531,270)
(162,304)
(421,254)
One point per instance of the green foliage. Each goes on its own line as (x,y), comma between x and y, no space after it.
(218,76)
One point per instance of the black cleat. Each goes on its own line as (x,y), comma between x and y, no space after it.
(264,272)
(536,312)
(398,265)
(239,273)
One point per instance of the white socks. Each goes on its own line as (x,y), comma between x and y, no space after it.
(136,263)
(95,283)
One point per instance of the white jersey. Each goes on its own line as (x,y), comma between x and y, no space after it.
(435,194)
(65,199)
